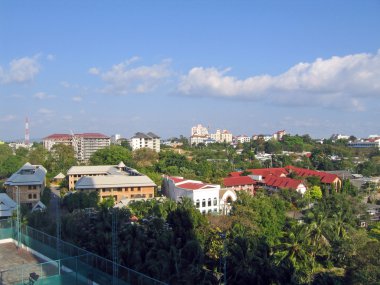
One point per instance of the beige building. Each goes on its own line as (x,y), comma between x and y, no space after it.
(222,136)
(117,181)
(84,144)
(30,181)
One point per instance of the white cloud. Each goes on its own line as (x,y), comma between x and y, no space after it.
(50,57)
(77,99)
(20,70)
(121,79)
(7,118)
(94,71)
(45,112)
(333,82)
(42,96)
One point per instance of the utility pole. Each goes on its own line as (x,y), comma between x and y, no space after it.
(18,219)
(115,255)
(58,224)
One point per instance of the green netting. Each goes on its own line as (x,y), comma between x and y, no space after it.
(71,265)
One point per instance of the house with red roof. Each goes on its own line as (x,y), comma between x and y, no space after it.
(275,183)
(206,197)
(240,183)
(327,179)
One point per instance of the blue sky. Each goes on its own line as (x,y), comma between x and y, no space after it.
(163,66)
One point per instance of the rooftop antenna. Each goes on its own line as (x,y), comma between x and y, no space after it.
(27,138)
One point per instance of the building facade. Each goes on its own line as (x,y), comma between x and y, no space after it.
(30,181)
(84,145)
(222,136)
(204,196)
(142,140)
(117,181)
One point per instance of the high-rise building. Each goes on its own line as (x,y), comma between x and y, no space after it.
(84,144)
(199,130)
(142,140)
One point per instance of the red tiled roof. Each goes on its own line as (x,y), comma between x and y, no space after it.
(176,179)
(282,182)
(238,181)
(264,172)
(69,136)
(327,178)
(58,137)
(191,185)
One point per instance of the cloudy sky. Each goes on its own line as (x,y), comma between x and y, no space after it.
(163,66)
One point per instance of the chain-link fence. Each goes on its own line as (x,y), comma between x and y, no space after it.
(69,264)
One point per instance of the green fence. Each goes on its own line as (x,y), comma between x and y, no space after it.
(71,265)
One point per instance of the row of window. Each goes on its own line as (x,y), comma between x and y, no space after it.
(32,196)
(32,187)
(121,189)
(197,202)
(209,211)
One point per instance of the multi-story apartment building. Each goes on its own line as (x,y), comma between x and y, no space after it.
(84,144)
(117,181)
(142,140)
(30,181)
(222,136)
(243,139)
(199,130)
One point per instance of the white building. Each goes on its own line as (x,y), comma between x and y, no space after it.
(222,136)
(199,130)
(197,139)
(373,142)
(84,145)
(149,140)
(243,139)
(206,197)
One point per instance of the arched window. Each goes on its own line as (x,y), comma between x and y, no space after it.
(215,201)
(209,202)
(197,203)
(229,200)
(204,203)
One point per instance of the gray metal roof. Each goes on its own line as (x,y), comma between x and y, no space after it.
(113,181)
(152,135)
(7,205)
(27,175)
(149,135)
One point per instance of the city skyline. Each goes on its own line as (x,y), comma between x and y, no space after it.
(248,67)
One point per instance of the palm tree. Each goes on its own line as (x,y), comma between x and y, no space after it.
(292,254)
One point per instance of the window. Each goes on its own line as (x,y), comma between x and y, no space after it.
(209,202)
(197,203)
(204,203)
(34,196)
(132,189)
(150,195)
(215,201)
(30,196)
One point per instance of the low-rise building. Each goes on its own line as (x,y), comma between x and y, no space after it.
(240,183)
(30,181)
(117,181)
(142,140)
(204,196)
